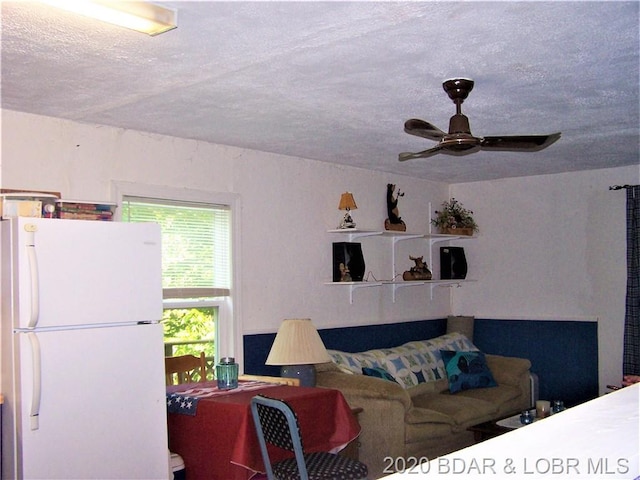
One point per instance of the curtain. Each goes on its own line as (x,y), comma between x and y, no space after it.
(631,353)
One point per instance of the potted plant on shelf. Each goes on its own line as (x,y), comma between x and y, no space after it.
(454,219)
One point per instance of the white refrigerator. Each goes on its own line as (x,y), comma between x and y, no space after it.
(82,350)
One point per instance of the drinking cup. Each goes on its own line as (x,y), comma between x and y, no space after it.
(543,408)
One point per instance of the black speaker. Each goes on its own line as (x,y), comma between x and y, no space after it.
(350,254)
(453,264)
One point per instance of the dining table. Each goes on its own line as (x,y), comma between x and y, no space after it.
(214,432)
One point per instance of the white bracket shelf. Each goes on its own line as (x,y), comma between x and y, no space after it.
(396,236)
(354,233)
(354,286)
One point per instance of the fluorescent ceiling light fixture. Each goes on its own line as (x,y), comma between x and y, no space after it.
(140,16)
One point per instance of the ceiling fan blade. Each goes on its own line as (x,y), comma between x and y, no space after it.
(529,143)
(424,129)
(404,156)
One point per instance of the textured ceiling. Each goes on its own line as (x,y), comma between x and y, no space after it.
(335,81)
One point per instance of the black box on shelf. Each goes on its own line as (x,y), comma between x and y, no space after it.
(453,264)
(350,255)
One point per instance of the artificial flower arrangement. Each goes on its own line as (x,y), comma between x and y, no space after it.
(454,218)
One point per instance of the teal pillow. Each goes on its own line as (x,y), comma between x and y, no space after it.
(379,373)
(467,370)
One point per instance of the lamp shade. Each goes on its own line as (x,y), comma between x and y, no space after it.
(347,202)
(297,343)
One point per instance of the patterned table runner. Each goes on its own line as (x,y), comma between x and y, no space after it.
(186,401)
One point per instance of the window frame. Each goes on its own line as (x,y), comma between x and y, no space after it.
(229,326)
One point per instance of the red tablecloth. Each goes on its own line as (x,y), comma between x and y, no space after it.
(220,442)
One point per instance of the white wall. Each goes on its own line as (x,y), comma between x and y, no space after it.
(287,203)
(552,247)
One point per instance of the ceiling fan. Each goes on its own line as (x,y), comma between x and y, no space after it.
(459,140)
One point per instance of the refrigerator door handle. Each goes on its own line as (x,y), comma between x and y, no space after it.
(36,392)
(33,273)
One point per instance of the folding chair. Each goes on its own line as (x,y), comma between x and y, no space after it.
(277,424)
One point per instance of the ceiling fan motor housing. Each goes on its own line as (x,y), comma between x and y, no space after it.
(459,138)
(459,123)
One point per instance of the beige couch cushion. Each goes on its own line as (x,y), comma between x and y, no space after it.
(417,415)
(435,386)
(495,395)
(465,411)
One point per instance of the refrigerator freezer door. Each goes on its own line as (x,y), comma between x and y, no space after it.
(103,407)
(74,272)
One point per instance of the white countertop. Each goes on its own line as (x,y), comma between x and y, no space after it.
(595,440)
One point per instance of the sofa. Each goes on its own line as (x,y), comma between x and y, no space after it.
(418,399)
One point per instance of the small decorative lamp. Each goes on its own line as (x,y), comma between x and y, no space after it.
(297,348)
(347,203)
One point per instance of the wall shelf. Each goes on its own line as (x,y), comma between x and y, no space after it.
(354,233)
(431,238)
(354,286)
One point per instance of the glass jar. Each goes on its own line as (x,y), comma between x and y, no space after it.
(227,373)
(526,418)
(558,406)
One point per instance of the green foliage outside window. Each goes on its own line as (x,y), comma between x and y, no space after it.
(185,325)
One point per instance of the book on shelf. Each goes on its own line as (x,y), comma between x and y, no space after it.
(85,210)
(105,216)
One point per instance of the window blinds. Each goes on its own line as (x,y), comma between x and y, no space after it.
(196,244)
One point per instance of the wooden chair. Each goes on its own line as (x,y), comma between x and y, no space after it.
(293,382)
(185,368)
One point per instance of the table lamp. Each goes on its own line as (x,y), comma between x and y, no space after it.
(347,203)
(296,348)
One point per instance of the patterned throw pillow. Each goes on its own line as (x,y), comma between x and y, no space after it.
(345,360)
(428,353)
(379,373)
(467,370)
(409,364)
(355,361)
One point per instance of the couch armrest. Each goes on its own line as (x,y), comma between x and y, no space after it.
(384,404)
(508,370)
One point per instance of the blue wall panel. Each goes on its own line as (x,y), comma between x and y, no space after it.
(564,354)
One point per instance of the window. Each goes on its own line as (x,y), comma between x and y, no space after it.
(196,270)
